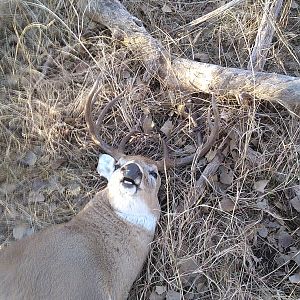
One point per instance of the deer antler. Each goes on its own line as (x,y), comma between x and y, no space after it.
(166,162)
(93,129)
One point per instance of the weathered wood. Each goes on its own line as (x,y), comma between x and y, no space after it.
(184,73)
(127,29)
(265,34)
(197,76)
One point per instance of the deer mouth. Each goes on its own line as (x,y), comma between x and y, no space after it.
(129,182)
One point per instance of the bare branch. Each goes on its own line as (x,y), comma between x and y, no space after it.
(264,35)
(208,78)
(213,14)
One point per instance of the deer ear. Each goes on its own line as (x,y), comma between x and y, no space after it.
(106,165)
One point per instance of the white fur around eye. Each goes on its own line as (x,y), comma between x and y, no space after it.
(106,165)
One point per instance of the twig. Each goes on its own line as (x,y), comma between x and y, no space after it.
(264,35)
(213,14)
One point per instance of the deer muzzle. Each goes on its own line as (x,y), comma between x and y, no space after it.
(132,174)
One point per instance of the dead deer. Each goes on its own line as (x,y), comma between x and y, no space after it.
(101,251)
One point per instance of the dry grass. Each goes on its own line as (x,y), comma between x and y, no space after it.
(201,251)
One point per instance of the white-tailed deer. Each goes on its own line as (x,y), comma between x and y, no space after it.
(100,252)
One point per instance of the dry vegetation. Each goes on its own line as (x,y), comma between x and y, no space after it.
(239,239)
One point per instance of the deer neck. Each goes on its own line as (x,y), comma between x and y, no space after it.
(147,222)
(134,211)
(125,209)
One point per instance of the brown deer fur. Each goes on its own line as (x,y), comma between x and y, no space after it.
(96,255)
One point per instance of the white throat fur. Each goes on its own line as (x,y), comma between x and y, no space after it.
(147,222)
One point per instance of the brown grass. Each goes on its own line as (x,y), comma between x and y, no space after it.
(48,63)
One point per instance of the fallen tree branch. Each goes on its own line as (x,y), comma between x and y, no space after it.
(187,74)
(208,78)
(264,36)
(127,29)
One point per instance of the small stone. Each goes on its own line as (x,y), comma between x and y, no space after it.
(227,204)
(285,240)
(295,202)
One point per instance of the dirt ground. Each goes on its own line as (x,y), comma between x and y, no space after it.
(236,238)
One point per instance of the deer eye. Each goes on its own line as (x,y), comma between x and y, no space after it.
(117,166)
(153,174)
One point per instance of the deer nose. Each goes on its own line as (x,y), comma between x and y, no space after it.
(132,171)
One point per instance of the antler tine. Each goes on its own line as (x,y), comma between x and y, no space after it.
(166,162)
(92,126)
(214,134)
(126,138)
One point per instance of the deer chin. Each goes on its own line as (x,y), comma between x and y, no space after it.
(128,189)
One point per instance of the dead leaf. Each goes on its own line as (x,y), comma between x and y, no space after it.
(226,176)
(181,110)
(295,278)
(7,188)
(155,296)
(227,204)
(35,196)
(187,265)
(54,185)
(172,295)
(260,185)
(166,8)
(263,204)
(211,155)
(285,240)
(263,231)
(167,128)
(148,124)
(295,202)
(160,289)
(29,159)
(233,145)
(189,149)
